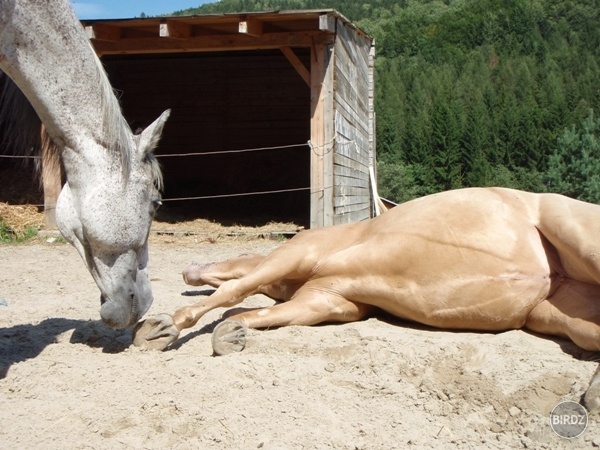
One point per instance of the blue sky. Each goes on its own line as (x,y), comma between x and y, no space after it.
(125,9)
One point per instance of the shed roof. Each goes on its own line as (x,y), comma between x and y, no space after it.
(216,32)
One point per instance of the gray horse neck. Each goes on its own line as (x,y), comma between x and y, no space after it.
(44,49)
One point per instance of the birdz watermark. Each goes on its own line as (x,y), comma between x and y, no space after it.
(569,419)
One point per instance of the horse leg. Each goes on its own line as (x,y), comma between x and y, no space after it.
(215,274)
(573,311)
(284,263)
(306,308)
(571,227)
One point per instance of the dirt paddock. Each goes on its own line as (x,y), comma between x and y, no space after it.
(68,382)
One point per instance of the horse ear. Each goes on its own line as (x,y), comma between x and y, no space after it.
(151,135)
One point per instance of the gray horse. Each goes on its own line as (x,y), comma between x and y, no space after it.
(106,207)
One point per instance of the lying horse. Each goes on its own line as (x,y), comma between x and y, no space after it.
(472,259)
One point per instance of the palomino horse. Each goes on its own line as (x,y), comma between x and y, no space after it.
(106,207)
(474,259)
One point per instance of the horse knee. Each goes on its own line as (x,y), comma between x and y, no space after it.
(353,312)
(339,309)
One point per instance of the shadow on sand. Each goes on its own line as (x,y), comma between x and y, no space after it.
(22,342)
(566,345)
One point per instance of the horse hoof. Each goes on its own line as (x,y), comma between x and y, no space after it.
(155,333)
(192,274)
(229,337)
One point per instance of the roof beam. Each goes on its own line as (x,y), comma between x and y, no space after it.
(175,29)
(251,27)
(298,65)
(103,32)
(327,23)
(211,43)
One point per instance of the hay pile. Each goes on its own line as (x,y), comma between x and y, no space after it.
(18,218)
(202,230)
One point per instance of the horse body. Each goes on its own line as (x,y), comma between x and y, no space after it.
(466,259)
(441,261)
(106,207)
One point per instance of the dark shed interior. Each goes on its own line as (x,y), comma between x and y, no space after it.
(235,145)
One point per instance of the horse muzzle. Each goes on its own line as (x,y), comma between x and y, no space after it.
(127,307)
(118,314)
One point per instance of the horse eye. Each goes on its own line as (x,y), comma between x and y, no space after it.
(156,203)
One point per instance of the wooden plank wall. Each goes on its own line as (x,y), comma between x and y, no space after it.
(353,150)
(220,102)
(322,136)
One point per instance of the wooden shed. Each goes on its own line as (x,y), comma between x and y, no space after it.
(272,112)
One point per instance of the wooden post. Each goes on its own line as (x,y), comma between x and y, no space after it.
(321,136)
(372,136)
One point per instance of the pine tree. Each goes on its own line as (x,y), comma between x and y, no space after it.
(574,166)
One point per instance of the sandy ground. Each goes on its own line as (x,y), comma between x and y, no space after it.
(68,382)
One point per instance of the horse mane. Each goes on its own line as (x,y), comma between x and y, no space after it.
(117,131)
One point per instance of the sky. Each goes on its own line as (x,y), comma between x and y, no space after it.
(125,9)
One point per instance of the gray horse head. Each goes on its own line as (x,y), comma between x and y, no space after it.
(106,213)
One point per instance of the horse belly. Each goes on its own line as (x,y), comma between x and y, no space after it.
(480,303)
(456,286)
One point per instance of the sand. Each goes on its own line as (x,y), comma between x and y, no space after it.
(67,382)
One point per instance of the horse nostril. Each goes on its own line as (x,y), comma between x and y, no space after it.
(102,299)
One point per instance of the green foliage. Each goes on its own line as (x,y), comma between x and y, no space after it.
(475,92)
(400,183)
(574,167)
(9,235)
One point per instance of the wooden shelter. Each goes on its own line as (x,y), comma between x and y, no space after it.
(272,112)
